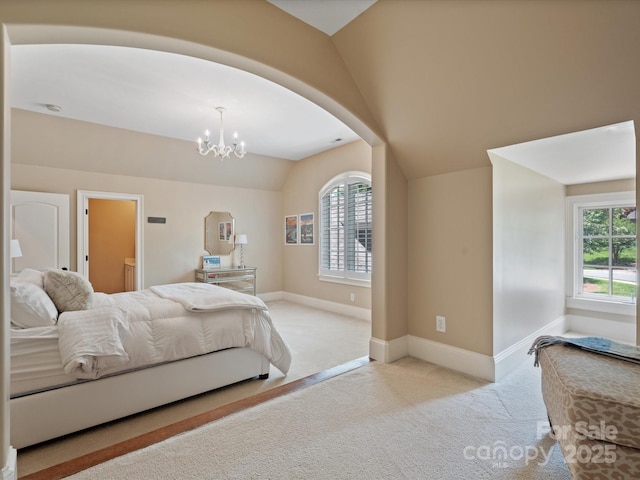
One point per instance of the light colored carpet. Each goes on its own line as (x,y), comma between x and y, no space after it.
(319,340)
(409,419)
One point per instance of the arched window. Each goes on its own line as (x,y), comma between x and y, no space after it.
(345,228)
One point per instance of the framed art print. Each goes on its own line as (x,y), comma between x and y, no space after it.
(291,230)
(306,229)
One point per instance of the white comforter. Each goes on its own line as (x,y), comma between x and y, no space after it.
(134,329)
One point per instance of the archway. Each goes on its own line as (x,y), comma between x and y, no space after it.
(23,34)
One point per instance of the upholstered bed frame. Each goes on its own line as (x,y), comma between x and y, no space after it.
(43,416)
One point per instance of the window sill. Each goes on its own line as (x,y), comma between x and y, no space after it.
(618,308)
(345,281)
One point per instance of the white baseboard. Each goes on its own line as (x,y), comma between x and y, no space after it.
(10,470)
(270,296)
(387,352)
(459,359)
(341,308)
(476,364)
(512,357)
(486,367)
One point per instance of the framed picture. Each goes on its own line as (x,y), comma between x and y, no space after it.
(291,230)
(210,261)
(306,229)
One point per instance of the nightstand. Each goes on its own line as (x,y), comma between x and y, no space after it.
(238,279)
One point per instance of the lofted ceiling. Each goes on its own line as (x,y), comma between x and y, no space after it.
(456,91)
(176,96)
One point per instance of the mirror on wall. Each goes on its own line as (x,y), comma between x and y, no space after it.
(219,230)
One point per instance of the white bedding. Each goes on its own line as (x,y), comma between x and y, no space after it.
(199,297)
(35,361)
(135,329)
(90,341)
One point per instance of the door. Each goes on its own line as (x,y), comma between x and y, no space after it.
(40,222)
(85,265)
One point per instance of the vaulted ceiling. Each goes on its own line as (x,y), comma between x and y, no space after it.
(445,80)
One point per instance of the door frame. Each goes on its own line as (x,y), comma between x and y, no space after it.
(83,230)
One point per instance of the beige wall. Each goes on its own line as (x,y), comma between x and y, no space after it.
(628,185)
(301,182)
(300,195)
(77,145)
(390,220)
(173,250)
(528,252)
(450,267)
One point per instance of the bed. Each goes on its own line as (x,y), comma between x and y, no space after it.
(79,358)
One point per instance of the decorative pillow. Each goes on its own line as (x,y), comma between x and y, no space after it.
(29,275)
(31,307)
(69,291)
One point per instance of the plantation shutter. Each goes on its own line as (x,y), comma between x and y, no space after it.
(359,227)
(333,218)
(345,228)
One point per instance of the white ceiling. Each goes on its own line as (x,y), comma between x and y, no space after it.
(170,95)
(175,96)
(595,155)
(328,16)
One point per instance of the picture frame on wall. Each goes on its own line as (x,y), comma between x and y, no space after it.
(306,227)
(291,230)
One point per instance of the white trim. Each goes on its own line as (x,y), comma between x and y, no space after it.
(341,308)
(572,250)
(459,359)
(593,305)
(270,296)
(10,470)
(388,351)
(345,281)
(83,230)
(511,357)
(476,364)
(601,327)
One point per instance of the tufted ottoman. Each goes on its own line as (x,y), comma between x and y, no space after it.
(593,403)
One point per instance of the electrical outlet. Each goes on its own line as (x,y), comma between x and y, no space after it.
(441,324)
(353,297)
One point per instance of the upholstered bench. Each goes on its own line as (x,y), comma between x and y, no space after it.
(593,403)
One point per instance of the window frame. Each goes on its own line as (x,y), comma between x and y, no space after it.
(344,276)
(574,273)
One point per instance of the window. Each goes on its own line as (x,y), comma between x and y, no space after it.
(604,265)
(345,229)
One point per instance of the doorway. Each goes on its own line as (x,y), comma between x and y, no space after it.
(112,243)
(110,248)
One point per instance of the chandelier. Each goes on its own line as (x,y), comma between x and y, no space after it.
(220,150)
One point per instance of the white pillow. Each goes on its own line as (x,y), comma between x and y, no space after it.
(69,291)
(29,275)
(31,306)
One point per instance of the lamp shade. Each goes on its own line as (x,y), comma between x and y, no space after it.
(16,251)
(241,239)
